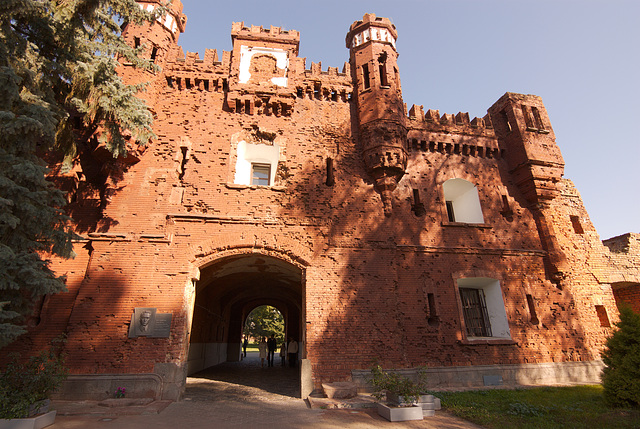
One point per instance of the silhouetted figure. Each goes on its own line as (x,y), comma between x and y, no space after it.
(262,348)
(292,351)
(283,353)
(272,345)
(245,343)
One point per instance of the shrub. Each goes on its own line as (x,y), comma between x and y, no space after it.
(384,382)
(25,385)
(621,375)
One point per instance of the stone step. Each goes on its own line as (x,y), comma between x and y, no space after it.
(340,390)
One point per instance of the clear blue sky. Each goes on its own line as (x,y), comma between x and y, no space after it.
(581,56)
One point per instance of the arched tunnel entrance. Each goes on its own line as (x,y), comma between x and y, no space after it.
(228,290)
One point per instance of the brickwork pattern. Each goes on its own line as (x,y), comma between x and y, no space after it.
(354,281)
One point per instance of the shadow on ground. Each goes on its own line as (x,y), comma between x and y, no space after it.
(245,381)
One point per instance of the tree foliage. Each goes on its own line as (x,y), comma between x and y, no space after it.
(58,61)
(265,321)
(621,375)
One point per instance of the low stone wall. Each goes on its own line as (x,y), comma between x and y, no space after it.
(97,387)
(498,375)
(167,382)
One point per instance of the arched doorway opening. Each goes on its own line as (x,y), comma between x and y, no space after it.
(265,322)
(228,290)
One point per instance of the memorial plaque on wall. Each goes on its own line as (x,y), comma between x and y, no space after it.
(162,327)
(147,322)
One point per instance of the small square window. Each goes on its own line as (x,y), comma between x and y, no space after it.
(260,174)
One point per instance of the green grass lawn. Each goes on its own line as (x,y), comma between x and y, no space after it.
(540,407)
(252,347)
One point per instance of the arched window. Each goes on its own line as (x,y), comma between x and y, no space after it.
(463,204)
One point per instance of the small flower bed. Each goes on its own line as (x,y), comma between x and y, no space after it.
(120,392)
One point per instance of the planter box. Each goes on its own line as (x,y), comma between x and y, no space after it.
(429,403)
(400,414)
(37,422)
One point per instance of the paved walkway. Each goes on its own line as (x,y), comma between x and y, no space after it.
(233,395)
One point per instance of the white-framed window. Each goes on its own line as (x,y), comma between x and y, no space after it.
(483,308)
(260,174)
(256,164)
(462,201)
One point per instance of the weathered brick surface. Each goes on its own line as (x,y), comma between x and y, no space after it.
(352,274)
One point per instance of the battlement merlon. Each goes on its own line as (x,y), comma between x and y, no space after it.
(271,35)
(175,21)
(371,28)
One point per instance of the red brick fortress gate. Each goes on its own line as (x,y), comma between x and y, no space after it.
(411,237)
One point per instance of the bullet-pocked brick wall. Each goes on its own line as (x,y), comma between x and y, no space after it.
(171,228)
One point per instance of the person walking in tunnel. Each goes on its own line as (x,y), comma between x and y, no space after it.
(245,343)
(272,346)
(283,353)
(292,351)
(262,349)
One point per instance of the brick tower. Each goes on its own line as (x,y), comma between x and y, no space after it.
(380,109)
(525,136)
(157,40)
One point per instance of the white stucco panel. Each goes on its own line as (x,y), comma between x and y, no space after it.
(249,153)
(282,62)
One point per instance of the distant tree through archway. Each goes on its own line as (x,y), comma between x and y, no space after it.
(264,321)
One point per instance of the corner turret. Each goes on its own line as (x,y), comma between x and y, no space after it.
(380,108)
(525,136)
(158,37)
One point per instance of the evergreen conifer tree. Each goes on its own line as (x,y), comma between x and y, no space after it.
(58,61)
(621,375)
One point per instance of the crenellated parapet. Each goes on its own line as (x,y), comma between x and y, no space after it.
(262,75)
(433,121)
(431,132)
(269,35)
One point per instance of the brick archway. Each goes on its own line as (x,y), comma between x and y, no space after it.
(232,281)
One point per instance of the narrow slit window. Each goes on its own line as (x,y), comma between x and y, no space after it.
(505,120)
(450,215)
(537,118)
(433,314)
(383,75)
(527,117)
(136,42)
(418,207)
(154,54)
(365,76)
(183,164)
(506,207)
(601,311)
(260,174)
(577,226)
(532,309)
(330,177)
